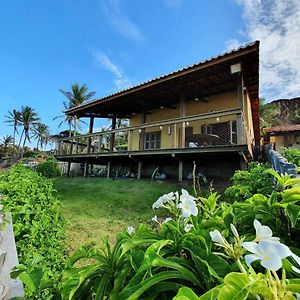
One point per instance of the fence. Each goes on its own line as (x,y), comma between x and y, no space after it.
(278,162)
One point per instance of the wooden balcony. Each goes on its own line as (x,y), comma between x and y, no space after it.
(196,133)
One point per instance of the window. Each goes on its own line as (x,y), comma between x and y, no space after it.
(152,140)
(226,131)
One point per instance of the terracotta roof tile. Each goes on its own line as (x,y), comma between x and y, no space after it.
(283,128)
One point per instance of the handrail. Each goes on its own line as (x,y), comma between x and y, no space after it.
(159,123)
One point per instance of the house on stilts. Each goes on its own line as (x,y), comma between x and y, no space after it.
(207,113)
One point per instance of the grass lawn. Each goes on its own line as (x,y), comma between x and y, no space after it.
(98,207)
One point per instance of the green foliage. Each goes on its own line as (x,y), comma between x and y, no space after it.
(156,262)
(249,182)
(38,229)
(292,155)
(48,168)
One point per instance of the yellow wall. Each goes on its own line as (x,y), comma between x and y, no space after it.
(219,102)
(293,141)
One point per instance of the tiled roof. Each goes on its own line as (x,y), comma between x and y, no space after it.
(283,128)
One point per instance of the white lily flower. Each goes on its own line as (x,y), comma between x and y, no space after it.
(188,227)
(167,220)
(130,230)
(217,237)
(270,253)
(163,199)
(188,207)
(263,232)
(187,204)
(234,231)
(154,219)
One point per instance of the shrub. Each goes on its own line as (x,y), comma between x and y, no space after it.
(292,155)
(248,182)
(48,168)
(38,229)
(198,247)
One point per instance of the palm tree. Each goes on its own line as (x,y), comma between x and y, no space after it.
(77,96)
(41,133)
(28,120)
(72,121)
(14,118)
(269,114)
(7,140)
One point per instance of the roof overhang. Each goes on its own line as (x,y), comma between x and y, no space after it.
(206,78)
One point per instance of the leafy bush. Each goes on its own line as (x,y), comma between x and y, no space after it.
(249,182)
(292,155)
(198,251)
(48,168)
(38,229)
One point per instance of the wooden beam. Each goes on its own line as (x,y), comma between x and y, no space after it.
(139,173)
(108,170)
(182,109)
(142,132)
(86,170)
(180,171)
(69,169)
(90,131)
(112,136)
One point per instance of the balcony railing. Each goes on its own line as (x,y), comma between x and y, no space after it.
(213,129)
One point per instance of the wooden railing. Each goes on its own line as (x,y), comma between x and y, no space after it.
(174,130)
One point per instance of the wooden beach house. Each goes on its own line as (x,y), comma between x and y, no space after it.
(207,113)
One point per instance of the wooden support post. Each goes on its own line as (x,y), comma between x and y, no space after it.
(71,147)
(112,136)
(139,173)
(182,114)
(77,146)
(108,170)
(142,131)
(90,131)
(86,169)
(130,140)
(58,147)
(69,169)
(239,120)
(180,170)
(99,142)
(240,130)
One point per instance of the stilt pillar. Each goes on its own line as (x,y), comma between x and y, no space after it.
(180,170)
(139,172)
(108,170)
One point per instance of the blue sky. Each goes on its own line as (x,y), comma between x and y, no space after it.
(113,44)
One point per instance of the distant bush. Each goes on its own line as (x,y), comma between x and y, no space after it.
(248,182)
(48,168)
(38,229)
(292,155)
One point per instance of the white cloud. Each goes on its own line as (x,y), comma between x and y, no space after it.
(175,4)
(276,23)
(120,22)
(120,79)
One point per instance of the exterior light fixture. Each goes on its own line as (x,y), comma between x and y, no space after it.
(218,119)
(140,130)
(236,68)
(161,107)
(160,127)
(187,123)
(196,99)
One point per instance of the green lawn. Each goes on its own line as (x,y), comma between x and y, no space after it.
(97,207)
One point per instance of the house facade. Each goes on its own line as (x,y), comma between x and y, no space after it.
(206,115)
(283,136)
